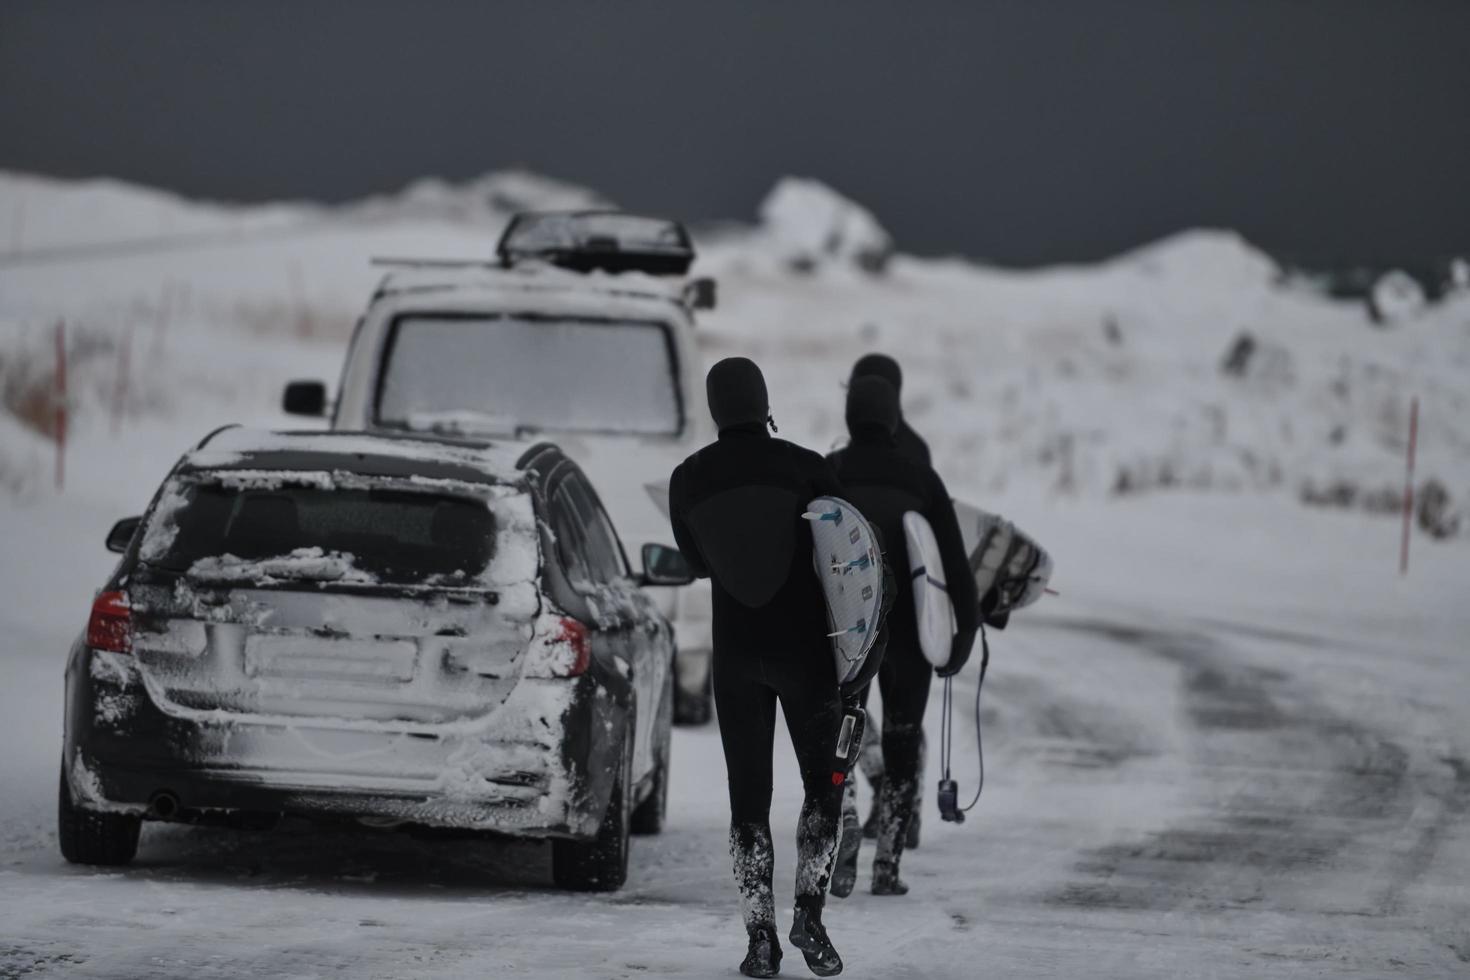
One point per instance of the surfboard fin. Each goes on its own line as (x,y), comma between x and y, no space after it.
(835,516)
(861,627)
(847,566)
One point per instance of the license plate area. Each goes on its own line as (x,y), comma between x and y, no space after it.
(329,658)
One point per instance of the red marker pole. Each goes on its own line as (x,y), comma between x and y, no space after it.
(1409,487)
(60,403)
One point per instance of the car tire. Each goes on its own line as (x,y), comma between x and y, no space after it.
(91,836)
(601,864)
(695,709)
(648,816)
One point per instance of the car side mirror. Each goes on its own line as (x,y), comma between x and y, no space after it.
(663,565)
(122,533)
(700,293)
(305,398)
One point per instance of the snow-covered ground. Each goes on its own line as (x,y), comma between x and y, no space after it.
(1237,744)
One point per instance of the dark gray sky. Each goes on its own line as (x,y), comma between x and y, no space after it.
(1033,131)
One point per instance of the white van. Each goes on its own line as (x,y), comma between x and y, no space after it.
(562,337)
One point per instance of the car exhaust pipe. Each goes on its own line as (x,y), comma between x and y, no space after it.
(164,805)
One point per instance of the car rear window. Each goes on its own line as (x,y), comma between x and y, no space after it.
(314,533)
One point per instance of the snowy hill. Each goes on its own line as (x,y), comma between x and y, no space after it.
(1089,381)
(41,214)
(45,215)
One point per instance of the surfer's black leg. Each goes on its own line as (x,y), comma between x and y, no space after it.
(754,862)
(746,709)
(807,686)
(809,700)
(904,682)
(870,761)
(849,843)
(911,839)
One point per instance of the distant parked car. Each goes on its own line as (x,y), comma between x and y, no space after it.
(388,629)
(580,330)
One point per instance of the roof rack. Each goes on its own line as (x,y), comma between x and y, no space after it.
(412,263)
(610,241)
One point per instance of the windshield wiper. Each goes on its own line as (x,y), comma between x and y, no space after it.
(466,422)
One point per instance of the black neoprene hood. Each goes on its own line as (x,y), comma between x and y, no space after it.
(736,390)
(871,400)
(881,366)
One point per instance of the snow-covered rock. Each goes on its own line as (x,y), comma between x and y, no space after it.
(1457,275)
(809,223)
(1221,256)
(1396,297)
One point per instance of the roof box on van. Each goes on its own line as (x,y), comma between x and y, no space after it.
(611,241)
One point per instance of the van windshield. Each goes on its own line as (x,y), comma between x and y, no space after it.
(517,373)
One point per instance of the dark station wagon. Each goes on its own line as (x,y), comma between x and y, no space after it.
(394,630)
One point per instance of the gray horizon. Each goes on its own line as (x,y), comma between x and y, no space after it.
(1331,133)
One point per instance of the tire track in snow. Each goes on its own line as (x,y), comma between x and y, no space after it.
(1297,796)
(1043,723)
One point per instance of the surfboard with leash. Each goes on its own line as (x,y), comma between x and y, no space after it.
(932,604)
(849,564)
(1012,570)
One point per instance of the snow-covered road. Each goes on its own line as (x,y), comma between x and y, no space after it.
(1273,784)
(1238,744)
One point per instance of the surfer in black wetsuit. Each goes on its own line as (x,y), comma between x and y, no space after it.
(911,445)
(736,509)
(884,483)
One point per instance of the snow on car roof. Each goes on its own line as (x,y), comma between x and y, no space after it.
(386,455)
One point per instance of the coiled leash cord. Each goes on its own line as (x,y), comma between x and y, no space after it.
(949,803)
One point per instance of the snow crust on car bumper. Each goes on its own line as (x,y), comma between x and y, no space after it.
(537,770)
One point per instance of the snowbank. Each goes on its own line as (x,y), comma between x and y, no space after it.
(1097,381)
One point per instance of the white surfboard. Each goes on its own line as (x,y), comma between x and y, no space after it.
(1006,561)
(931,594)
(850,567)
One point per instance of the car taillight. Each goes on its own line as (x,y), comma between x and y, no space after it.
(576,637)
(110,627)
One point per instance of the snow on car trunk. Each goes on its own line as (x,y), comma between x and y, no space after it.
(349,600)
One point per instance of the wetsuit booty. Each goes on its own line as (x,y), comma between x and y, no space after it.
(886,880)
(808,935)
(763,958)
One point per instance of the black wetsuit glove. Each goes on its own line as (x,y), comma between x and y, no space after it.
(959,653)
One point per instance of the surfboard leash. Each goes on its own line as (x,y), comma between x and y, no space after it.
(949,803)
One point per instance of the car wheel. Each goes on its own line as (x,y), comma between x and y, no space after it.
(648,817)
(601,864)
(91,836)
